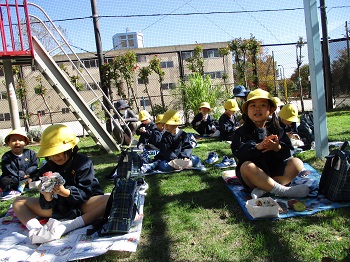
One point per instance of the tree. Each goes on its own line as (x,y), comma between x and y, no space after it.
(196,62)
(341,73)
(224,52)
(245,52)
(40,90)
(300,43)
(197,90)
(144,74)
(155,66)
(21,93)
(42,30)
(301,77)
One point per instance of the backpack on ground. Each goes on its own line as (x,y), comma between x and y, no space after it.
(335,178)
(129,163)
(124,201)
(306,128)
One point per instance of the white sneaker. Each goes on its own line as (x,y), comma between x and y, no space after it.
(52,230)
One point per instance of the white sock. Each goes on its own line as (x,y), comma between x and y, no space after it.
(33,224)
(257,192)
(73,224)
(294,191)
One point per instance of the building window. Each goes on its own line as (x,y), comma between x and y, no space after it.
(145,102)
(108,60)
(123,41)
(210,53)
(65,110)
(167,64)
(41,112)
(140,81)
(141,58)
(166,86)
(77,65)
(215,75)
(93,86)
(3,95)
(90,63)
(7,116)
(186,55)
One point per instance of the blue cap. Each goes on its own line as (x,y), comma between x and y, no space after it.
(240,91)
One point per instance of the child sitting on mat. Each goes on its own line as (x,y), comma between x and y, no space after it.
(80,199)
(228,121)
(263,150)
(203,122)
(157,134)
(19,165)
(145,129)
(176,145)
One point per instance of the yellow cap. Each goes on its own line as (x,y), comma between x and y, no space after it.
(144,115)
(289,112)
(231,105)
(172,117)
(17,132)
(159,118)
(257,94)
(204,104)
(277,101)
(56,139)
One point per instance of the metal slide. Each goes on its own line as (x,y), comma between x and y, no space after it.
(62,85)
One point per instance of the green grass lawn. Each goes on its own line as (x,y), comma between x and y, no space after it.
(192,216)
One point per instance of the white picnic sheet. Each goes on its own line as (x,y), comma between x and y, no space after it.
(15,244)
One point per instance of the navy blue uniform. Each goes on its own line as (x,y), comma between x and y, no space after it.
(203,127)
(79,175)
(227,126)
(14,168)
(175,146)
(145,136)
(243,147)
(155,139)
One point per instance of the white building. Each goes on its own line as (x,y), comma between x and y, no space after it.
(127,40)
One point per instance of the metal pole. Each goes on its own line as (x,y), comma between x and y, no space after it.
(316,77)
(326,59)
(100,60)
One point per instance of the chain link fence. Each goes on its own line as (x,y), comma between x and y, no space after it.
(274,75)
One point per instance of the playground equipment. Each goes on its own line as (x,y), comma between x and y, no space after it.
(19,47)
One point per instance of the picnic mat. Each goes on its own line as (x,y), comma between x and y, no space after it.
(15,245)
(157,171)
(314,202)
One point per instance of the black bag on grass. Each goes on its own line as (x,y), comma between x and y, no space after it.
(121,209)
(306,128)
(335,178)
(129,163)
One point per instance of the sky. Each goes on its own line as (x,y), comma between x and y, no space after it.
(179,22)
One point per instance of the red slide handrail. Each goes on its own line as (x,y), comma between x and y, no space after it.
(23,48)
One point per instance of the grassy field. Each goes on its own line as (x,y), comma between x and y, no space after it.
(192,216)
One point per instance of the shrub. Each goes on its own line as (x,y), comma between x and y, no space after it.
(35,134)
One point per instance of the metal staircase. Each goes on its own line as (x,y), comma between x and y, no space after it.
(71,97)
(32,50)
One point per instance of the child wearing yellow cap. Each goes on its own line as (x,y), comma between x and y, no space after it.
(19,165)
(228,121)
(157,133)
(203,122)
(263,151)
(79,199)
(288,117)
(145,129)
(176,145)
